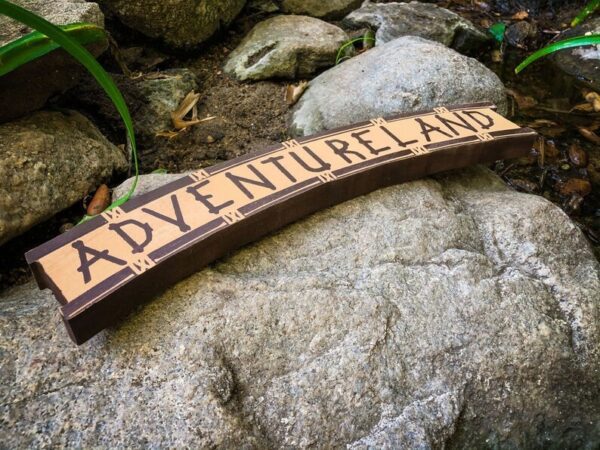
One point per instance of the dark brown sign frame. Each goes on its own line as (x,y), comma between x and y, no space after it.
(102,269)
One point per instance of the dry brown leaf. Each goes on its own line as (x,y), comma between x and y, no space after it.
(539,123)
(523,101)
(100,201)
(187,104)
(589,135)
(293,92)
(167,134)
(593,98)
(585,107)
(520,15)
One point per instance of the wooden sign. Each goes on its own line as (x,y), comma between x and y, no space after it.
(103,268)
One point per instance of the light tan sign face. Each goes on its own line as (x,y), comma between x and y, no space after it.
(87,264)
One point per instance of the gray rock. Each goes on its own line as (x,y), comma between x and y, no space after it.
(439,312)
(181,24)
(582,63)
(329,9)
(146,183)
(29,87)
(393,20)
(49,161)
(59,12)
(162,94)
(285,47)
(150,98)
(407,74)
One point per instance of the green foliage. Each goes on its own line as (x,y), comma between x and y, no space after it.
(497,31)
(588,9)
(578,41)
(72,46)
(35,45)
(367,40)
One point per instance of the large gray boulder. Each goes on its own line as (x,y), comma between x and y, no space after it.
(286,47)
(181,24)
(49,161)
(393,20)
(407,74)
(328,9)
(443,312)
(29,87)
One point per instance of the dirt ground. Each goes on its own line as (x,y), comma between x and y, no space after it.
(251,116)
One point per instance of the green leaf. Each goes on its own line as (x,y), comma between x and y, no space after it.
(497,31)
(588,9)
(35,44)
(79,52)
(578,41)
(341,52)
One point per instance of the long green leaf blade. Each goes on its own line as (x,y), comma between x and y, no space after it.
(89,62)
(588,9)
(35,45)
(578,41)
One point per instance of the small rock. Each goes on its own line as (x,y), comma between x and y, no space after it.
(28,87)
(524,185)
(49,161)
(285,47)
(583,63)
(181,24)
(65,227)
(577,155)
(210,139)
(262,6)
(146,183)
(574,186)
(407,74)
(393,20)
(324,9)
(520,34)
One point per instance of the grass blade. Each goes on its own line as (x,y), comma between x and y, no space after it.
(35,44)
(578,41)
(79,52)
(588,9)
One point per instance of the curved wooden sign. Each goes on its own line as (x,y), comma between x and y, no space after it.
(102,269)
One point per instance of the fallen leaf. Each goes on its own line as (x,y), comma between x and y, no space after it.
(589,135)
(187,104)
(100,201)
(593,98)
(572,186)
(167,134)
(577,155)
(523,101)
(293,92)
(520,15)
(585,107)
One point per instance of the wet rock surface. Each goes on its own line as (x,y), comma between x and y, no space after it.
(393,20)
(286,47)
(407,74)
(179,23)
(449,311)
(48,161)
(584,62)
(29,87)
(330,10)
